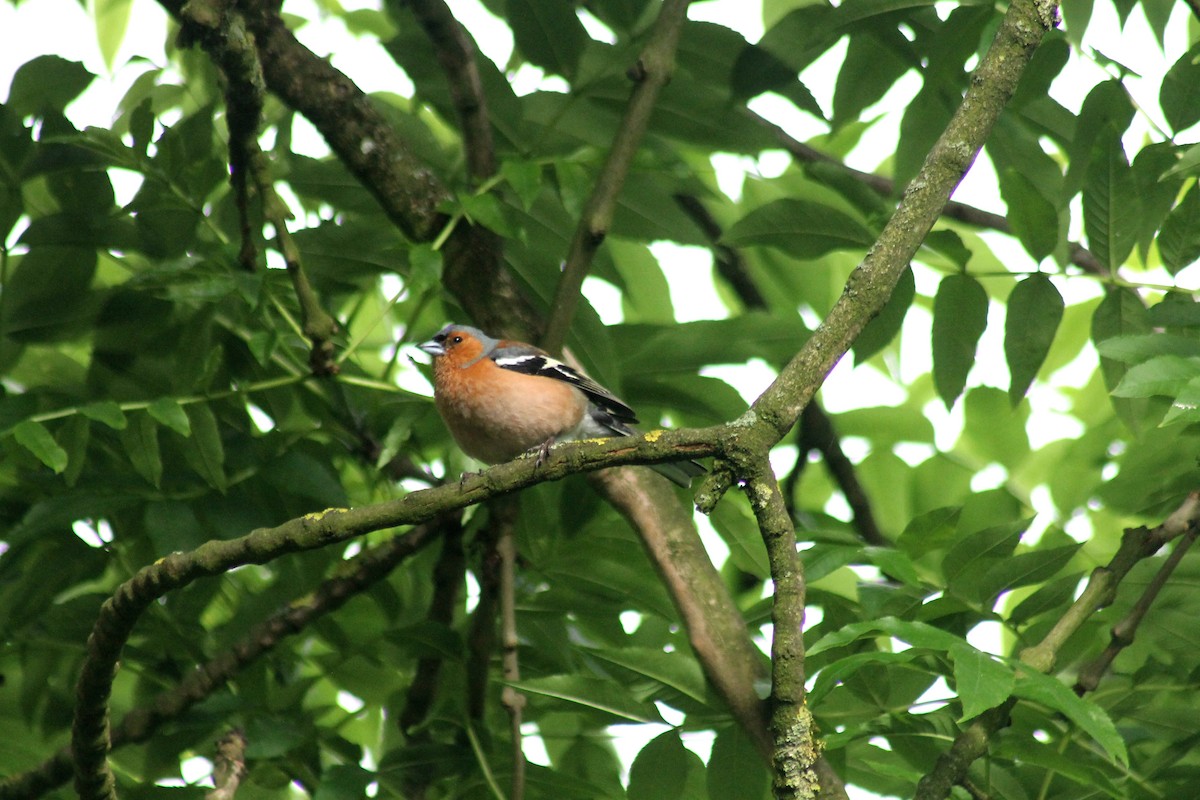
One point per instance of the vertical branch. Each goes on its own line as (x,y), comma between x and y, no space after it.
(651,73)
(481,638)
(447,582)
(456,54)
(510,698)
(225,37)
(795,746)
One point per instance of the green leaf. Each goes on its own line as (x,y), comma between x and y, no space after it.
(1161,375)
(1179,94)
(959,319)
(1188,163)
(972,556)
(930,531)
(106,411)
(48,295)
(204,451)
(1186,405)
(1142,347)
(1179,238)
(660,771)
(734,521)
(1034,310)
(34,437)
(917,634)
(1033,218)
(836,672)
(1176,310)
(736,771)
(168,411)
(1049,597)
(1023,569)
(141,444)
(525,179)
(680,674)
(873,62)
(112,18)
(1120,313)
(980,680)
(1053,693)
(74,436)
(594,693)
(344,782)
(549,34)
(47,83)
(802,228)
(883,328)
(1111,205)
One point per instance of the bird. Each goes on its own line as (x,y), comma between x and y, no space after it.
(500,398)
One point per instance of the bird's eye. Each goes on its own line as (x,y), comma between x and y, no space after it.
(456,340)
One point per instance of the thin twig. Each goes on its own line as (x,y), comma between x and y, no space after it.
(651,73)
(817,431)
(512,700)
(1077,254)
(1123,632)
(481,637)
(1136,544)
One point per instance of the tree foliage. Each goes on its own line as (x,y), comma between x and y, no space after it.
(222,518)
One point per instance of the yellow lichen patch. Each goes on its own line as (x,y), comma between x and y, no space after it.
(317,516)
(653,436)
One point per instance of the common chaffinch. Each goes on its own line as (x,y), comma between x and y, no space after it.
(501,398)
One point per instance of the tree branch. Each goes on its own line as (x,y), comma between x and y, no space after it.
(447,584)
(651,73)
(715,627)
(795,747)
(817,433)
(816,428)
(1137,543)
(142,723)
(1022,29)
(1077,254)
(1123,632)
(456,53)
(512,700)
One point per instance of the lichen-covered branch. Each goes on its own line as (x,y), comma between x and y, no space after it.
(775,412)
(650,74)
(795,747)
(1137,543)
(142,723)
(715,627)
(91,739)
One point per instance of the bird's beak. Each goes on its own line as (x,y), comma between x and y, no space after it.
(432,347)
